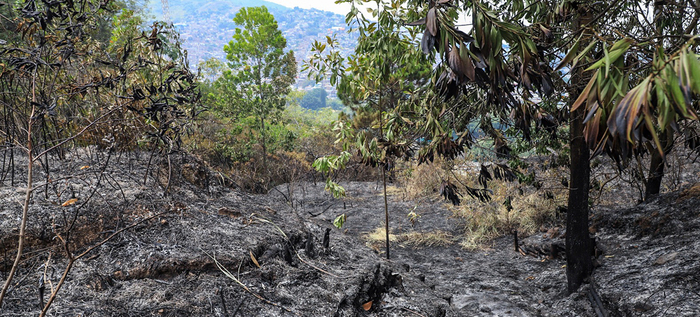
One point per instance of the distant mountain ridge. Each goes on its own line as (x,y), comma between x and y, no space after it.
(179,9)
(206,26)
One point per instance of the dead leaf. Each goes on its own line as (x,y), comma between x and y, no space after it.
(69,202)
(254,260)
(666,258)
(418,22)
(431,22)
(367,306)
(584,94)
(84,167)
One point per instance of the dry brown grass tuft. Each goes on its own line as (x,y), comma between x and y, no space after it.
(377,239)
(484,221)
(437,238)
(420,181)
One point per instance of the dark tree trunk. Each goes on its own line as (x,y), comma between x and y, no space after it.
(578,243)
(384,168)
(658,159)
(656,174)
(657,164)
(386,212)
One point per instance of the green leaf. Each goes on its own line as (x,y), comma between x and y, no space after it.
(570,55)
(583,53)
(663,105)
(334,189)
(607,62)
(618,49)
(674,88)
(694,67)
(496,40)
(339,221)
(620,86)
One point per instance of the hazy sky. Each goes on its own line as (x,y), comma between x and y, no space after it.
(343,9)
(327,5)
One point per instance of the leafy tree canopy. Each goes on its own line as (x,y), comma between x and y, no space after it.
(260,70)
(260,73)
(314,99)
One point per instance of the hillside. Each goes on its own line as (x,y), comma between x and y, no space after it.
(165,264)
(131,185)
(206,26)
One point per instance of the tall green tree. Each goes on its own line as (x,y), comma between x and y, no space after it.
(478,67)
(379,81)
(261,72)
(621,95)
(314,99)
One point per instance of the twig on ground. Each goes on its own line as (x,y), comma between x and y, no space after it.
(597,304)
(260,218)
(324,210)
(232,277)
(223,301)
(72,258)
(413,312)
(315,267)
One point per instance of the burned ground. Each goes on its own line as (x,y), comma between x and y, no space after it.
(173,264)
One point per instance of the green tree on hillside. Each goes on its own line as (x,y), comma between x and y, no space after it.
(379,82)
(260,71)
(335,104)
(314,99)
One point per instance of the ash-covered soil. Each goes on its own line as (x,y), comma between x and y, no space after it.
(215,251)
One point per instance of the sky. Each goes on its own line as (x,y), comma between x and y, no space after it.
(327,5)
(343,9)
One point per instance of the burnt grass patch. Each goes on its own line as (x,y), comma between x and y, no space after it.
(280,263)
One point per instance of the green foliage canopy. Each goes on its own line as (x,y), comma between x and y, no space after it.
(314,99)
(260,73)
(260,70)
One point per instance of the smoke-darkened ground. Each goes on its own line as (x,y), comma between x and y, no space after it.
(278,266)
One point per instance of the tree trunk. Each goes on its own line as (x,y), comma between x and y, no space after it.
(384,167)
(264,152)
(578,243)
(657,164)
(658,156)
(386,212)
(25,205)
